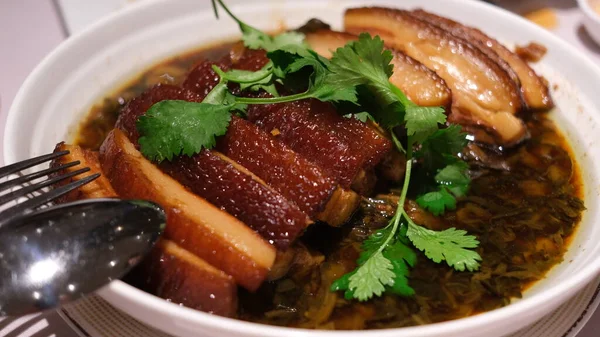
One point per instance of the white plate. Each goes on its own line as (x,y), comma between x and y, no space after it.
(63,87)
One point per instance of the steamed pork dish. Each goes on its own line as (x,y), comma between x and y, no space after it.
(400,172)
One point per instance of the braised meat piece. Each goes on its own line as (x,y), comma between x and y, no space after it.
(192,222)
(181,277)
(534,90)
(217,178)
(419,83)
(484,96)
(292,175)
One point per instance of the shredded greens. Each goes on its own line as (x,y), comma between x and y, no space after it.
(357,72)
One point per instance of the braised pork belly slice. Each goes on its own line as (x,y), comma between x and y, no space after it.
(343,147)
(298,179)
(192,222)
(419,83)
(169,271)
(202,79)
(534,90)
(98,188)
(175,274)
(230,187)
(223,182)
(483,94)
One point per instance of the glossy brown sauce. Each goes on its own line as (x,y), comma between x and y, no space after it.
(524,205)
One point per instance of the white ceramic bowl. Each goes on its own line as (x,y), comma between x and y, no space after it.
(79,72)
(591,18)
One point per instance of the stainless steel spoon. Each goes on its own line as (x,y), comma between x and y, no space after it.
(59,254)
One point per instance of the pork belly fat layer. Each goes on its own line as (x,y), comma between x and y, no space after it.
(535,91)
(181,277)
(192,222)
(483,93)
(296,178)
(229,188)
(99,188)
(419,83)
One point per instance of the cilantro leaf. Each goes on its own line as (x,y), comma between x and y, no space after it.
(257,39)
(437,202)
(245,76)
(372,277)
(383,265)
(440,149)
(398,253)
(343,284)
(251,80)
(451,245)
(361,116)
(374,243)
(455,178)
(422,122)
(321,84)
(171,128)
(402,257)
(366,62)
(453,182)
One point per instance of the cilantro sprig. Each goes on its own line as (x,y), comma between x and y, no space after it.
(357,79)
(366,62)
(180,127)
(384,261)
(453,182)
(256,39)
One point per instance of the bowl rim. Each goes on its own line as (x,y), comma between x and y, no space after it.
(587,9)
(124,290)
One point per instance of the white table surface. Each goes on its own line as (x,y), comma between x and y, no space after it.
(30,29)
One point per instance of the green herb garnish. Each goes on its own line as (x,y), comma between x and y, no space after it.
(180,127)
(357,79)
(256,39)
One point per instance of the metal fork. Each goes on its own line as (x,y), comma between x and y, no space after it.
(26,190)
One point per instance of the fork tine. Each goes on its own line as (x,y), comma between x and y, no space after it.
(35,175)
(16,167)
(44,198)
(28,189)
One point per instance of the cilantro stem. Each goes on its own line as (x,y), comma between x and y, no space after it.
(401,96)
(405,186)
(282,99)
(399,208)
(397,142)
(226,10)
(250,77)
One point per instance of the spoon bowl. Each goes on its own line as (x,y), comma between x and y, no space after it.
(59,254)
